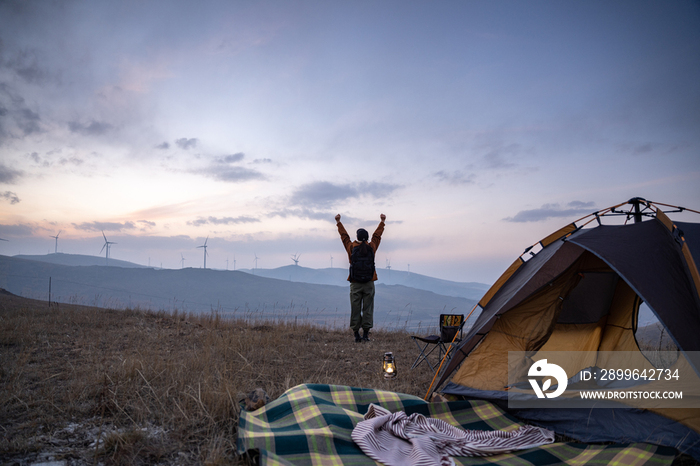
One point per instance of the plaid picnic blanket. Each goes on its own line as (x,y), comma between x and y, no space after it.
(311,425)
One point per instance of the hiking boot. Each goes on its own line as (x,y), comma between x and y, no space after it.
(365,335)
(357,337)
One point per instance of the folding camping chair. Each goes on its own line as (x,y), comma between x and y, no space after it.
(450,326)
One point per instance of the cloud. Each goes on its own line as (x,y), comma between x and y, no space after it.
(28,121)
(163,146)
(222,221)
(9,175)
(262,160)
(25,65)
(497,157)
(184,143)
(10,196)
(496,154)
(222,169)
(105,226)
(15,116)
(376,189)
(649,148)
(94,128)
(72,160)
(322,194)
(232,158)
(455,178)
(587,206)
(146,223)
(17,230)
(325,194)
(552,211)
(304,214)
(232,174)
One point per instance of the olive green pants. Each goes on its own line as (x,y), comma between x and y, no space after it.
(361,305)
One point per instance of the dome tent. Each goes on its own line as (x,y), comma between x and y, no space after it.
(581,291)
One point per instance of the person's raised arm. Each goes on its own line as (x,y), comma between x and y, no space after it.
(344,237)
(377,235)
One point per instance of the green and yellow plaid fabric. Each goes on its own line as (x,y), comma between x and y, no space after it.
(311,425)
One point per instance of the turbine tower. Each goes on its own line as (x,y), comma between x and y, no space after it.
(205,251)
(182,261)
(388,264)
(295,258)
(106,247)
(256,261)
(331,261)
(56,237)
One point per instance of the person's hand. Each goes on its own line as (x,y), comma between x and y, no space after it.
(383,217)
(337,218)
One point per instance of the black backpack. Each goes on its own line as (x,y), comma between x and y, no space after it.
(362,263)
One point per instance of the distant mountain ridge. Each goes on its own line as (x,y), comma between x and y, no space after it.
(78,260)
(338,276)
(231,293)
(295,273)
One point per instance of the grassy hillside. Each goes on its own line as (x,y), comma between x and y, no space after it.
(82,385)
(90,385)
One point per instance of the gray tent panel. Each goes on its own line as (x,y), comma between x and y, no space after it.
(590,300)
(647,257)
(691,233)
(544,267)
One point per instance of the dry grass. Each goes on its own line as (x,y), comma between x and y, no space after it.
(86,385)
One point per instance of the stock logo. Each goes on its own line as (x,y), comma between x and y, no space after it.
(542,368)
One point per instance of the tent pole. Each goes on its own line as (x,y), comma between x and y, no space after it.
(635,201)
(637,213)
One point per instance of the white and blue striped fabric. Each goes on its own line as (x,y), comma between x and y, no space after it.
(396,439)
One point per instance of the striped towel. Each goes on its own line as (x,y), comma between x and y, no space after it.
(396,439)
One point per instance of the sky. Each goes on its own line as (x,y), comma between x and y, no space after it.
(476,127)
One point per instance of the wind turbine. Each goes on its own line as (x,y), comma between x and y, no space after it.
(182,261)
(205,251)
(295,258)
(388,264)
(106,246)
(331,261)
(256,261)
(56,237)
